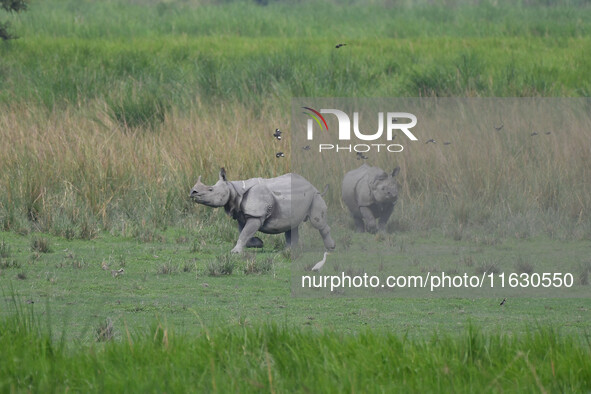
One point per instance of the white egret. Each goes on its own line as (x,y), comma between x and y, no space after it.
(320,263)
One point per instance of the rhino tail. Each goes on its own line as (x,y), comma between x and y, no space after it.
(325,190)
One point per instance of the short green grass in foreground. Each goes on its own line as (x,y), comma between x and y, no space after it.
(275,358)
(175,277)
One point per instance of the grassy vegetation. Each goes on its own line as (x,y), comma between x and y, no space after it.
(113,109)
(185,276)
(141,61)
(525,180)
(72,176)
(279,359)
(110,110)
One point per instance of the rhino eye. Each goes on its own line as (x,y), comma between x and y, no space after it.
(210,189)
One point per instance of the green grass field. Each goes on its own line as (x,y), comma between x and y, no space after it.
(184,314)
(110,110)
(180,319)
(274,358)
(177,278)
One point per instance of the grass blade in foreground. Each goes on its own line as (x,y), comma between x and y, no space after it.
(280,359)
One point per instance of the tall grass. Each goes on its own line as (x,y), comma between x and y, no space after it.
(142,58)
(63,170)
(140,79)
(111,110)
(279,359)
(71,175)
(507,182)
(305,18)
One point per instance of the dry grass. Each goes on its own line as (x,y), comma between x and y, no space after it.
(105,331)
(78,165)
(507,180)
(106,133)
(40,245)
(79,169)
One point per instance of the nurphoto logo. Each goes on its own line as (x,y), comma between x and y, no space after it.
(394,121)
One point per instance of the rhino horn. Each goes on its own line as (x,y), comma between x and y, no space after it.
(194,189)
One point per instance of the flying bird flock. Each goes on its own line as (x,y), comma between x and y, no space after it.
(497,128)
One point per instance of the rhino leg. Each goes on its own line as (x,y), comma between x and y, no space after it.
(384,216)
(292,237)
(251,226)
(359,225)
(254,242)
(369,219)
(318,221)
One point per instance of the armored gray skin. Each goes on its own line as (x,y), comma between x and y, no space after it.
(370,194)
(271,206)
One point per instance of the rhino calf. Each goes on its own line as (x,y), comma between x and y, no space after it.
(271,206)
(370,194)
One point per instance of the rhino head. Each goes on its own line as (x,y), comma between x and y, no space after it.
(212,196)
(384,186)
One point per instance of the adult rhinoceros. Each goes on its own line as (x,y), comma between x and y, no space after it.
(370,194)
(272,206)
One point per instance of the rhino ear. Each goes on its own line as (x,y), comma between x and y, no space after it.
(223,174)
(396,171)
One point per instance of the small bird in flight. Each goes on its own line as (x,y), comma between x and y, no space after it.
(498,128)
(307,147)
(548,132)
(503,302)
(340,45)
(279,154)
(533,134)
(446,143)
(360,156)
(431,140)
(277,134)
